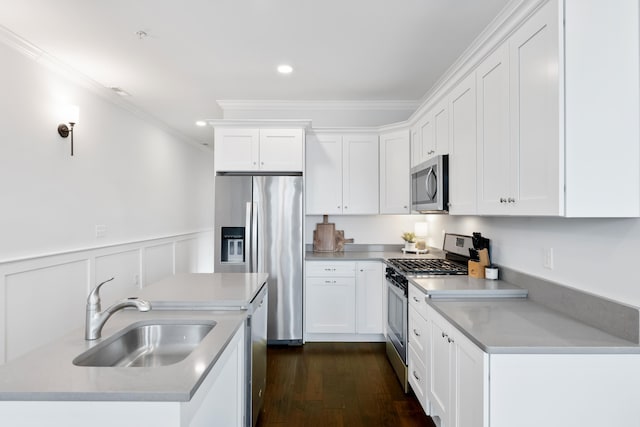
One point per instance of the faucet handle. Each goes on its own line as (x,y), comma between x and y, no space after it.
(94,295)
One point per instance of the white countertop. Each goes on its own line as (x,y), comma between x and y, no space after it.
(464,286)
(204,291)
(523,326)
(48,373)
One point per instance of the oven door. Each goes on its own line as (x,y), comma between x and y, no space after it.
(397,319)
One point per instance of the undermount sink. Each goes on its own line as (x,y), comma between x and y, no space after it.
(147,344)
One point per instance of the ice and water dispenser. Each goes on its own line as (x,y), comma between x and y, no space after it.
(233,246)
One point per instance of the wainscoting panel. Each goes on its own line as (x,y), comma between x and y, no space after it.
(43,297)
(44,305)
(186,259)
(124,267)
(158,262)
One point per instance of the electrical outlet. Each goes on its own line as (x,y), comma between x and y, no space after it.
(548,258)
(101,230)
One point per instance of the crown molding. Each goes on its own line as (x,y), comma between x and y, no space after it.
(43,58)
(280,105)
(260,123)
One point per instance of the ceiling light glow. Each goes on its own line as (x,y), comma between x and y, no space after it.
(201,123)
(285,69)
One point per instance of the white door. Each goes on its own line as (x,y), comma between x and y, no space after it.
(281,150)
(462,155)
(369,302)
(416,148)
(427,137)
(236,149)
(471,372)
(441,128)
(330,305)
(323,187)
(360,186)
(493,155)
(440,380)
(535,131)
(395,183)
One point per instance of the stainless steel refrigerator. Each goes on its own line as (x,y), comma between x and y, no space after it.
(258,228)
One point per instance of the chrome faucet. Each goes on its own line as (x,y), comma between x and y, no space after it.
(96,319)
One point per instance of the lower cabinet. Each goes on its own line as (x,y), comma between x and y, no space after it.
(459,376)
(344,300)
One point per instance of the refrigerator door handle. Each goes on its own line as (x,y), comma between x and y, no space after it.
(248,234)
(254,237)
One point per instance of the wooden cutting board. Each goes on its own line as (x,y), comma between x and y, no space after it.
(324,239)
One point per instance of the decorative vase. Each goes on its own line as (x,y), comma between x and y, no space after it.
(410,246)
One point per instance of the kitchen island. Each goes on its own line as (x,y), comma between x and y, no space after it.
(45,387)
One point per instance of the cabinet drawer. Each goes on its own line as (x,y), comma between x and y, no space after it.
(418,332)
(418,379)
(417,300)
(334,269)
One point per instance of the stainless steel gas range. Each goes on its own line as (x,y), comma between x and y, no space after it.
(399,270)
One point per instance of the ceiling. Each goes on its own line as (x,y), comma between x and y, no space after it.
(200,51)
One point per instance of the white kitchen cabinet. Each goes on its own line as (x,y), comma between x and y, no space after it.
(462,148)
(395,195)
(493,147)
(360,186)
(427,136)
(323,187)
(440,129)
(253,149)
(342,174)
(369,298)
(344,301)
(458,388)
(416,148)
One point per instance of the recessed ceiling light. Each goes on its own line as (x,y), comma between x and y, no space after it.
(285,69)
(201,123)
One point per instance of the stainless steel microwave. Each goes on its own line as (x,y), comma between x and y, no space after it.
(430,185)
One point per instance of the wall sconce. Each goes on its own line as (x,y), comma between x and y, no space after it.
(71,113)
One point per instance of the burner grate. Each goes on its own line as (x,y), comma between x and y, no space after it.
(428,266)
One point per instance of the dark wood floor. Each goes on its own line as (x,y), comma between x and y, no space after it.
(336,384)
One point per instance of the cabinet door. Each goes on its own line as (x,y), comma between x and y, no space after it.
(416,148)
(440,381)
(281,150)
(330,305)
(462,155)
(323,190)
(360,186)
(395,181)
(427,137)
(493,133)
(441,128)
(236,149)
(471,384)
(535,132)
(369,301)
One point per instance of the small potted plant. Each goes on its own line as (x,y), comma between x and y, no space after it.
(409,241)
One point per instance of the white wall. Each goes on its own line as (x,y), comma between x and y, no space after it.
(134,178)
(152,191)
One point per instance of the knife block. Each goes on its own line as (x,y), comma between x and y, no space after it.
(476,268)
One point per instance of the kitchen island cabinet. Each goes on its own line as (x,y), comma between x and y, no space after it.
(45,388)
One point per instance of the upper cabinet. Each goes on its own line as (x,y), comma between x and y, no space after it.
(519,171)
(550,99)
(395,194)
(342,174)
(462,148)
(251,149)
(430,135)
